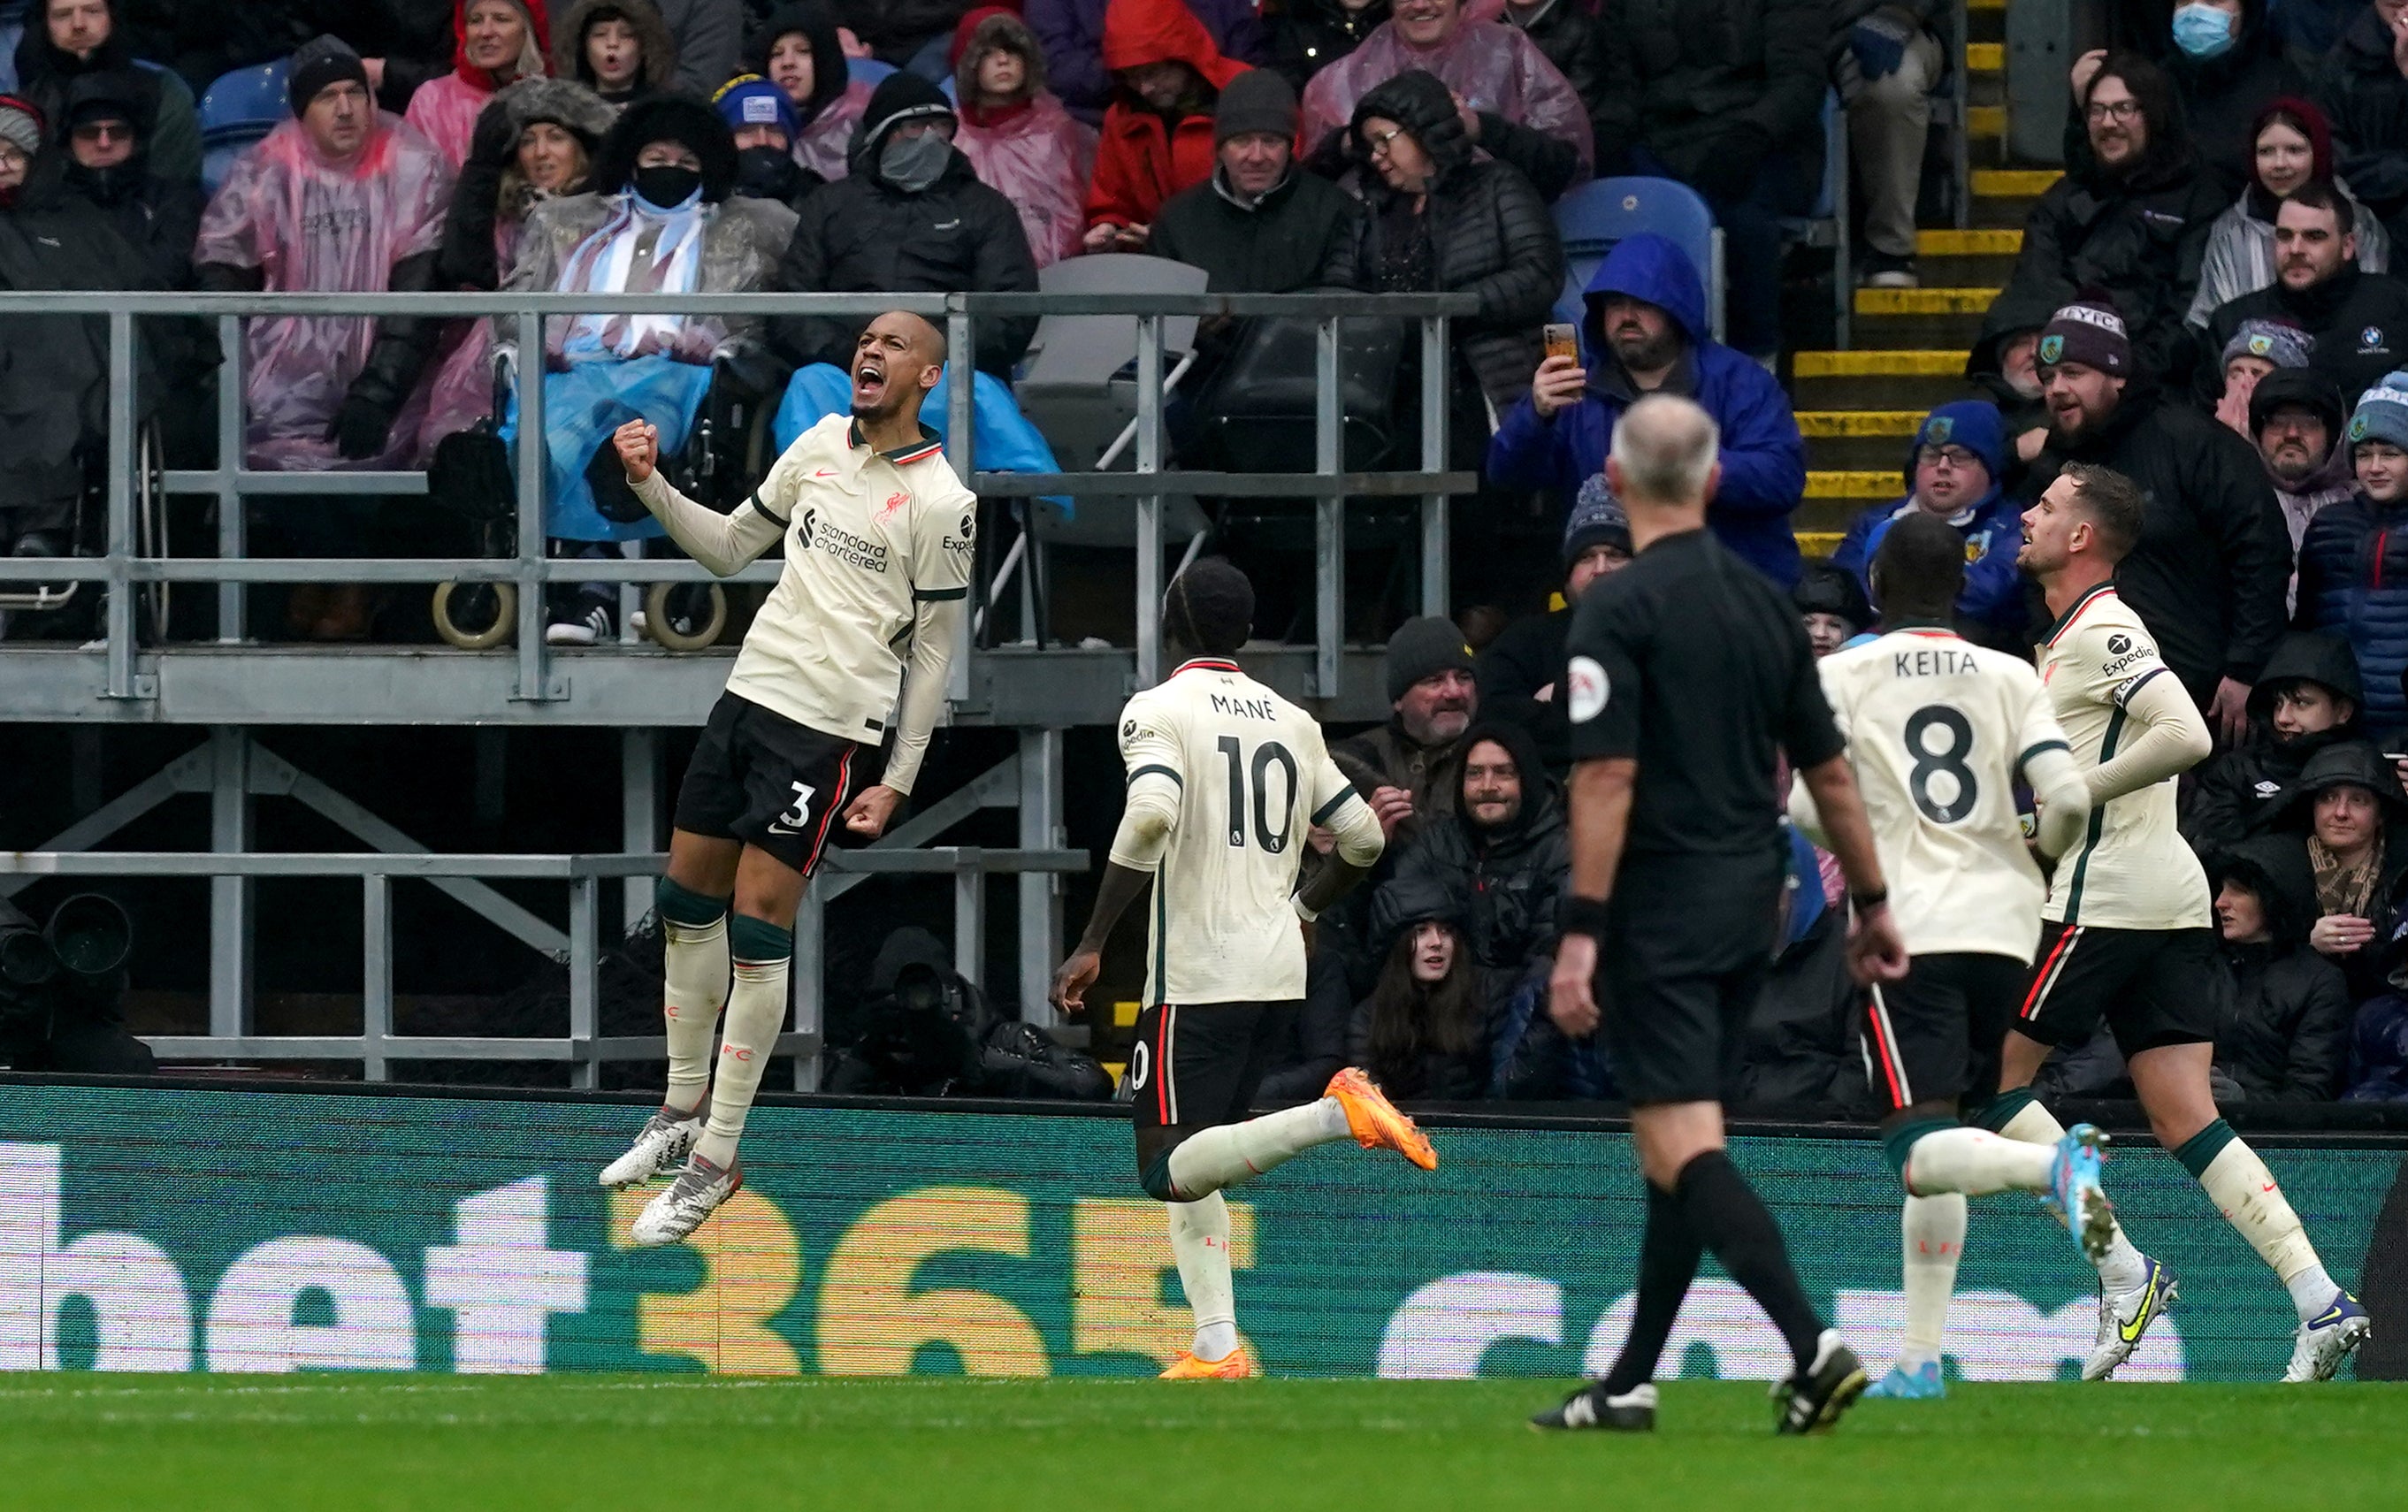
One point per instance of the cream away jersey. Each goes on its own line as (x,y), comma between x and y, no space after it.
(869,536)
(1938,729)
(1253,775)
(2132,869)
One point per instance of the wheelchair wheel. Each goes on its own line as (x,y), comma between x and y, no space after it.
(476,617)
(684,617)
(151,520)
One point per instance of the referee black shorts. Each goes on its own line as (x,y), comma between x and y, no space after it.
(1197,1066)
(1934,1037)
(760,778)
(1688,945)
(2154,986)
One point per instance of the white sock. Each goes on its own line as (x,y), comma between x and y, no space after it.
(694,961)
(1932,1231)
(2123,1268)
(1229,1153)
(1199,1241)
(2239,1184)
(756,1009)
(1976,1163)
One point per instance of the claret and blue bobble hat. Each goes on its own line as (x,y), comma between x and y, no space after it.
(2383,413)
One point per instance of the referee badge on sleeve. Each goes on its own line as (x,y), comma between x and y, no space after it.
(1587,688)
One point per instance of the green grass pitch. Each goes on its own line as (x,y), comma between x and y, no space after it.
(196,1443)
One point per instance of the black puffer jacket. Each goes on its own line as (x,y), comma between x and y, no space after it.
(2285,1031)
(2362,93)
(1701,69)
(860,234)
(1300,236)
(2343,313)
(1489,232)
(158,218)
(1309,35)
(1512,877)
(2243,790)
(2212,568)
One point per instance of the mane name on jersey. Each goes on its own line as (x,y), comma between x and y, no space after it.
(1932,662)
(1244,708)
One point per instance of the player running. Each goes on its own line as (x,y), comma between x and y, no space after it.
(2127,935)
(1225,778)
(1938,732)
(877,535)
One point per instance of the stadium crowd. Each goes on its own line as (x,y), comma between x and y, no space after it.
(2202,303)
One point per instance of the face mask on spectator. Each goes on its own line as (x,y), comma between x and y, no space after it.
(668,187)
(912,163)
(2202,31)
(763,172)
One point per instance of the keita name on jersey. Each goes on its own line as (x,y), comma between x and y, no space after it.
(1932,662)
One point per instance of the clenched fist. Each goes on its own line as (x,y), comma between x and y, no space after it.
(639,448)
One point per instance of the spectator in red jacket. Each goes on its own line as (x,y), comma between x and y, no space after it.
(1158,131)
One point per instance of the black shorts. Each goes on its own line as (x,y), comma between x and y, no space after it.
(760,778)
(1934,1037)
(1688,945)
(1196,1066)
(2153,986)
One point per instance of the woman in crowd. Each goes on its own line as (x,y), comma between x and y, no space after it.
(1016,135)
(499,41)
(2354,824)
(2290,144)
(801,54)
(1423,1032)
(2286,1034)
(621,49)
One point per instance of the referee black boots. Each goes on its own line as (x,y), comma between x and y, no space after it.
(1812,1400)
(1632,1412)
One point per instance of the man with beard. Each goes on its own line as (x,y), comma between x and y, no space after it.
(878,538)
(2133,221)
(1645,332)
(2295,416)
(2207,572)
(2358,321)
(1407,766)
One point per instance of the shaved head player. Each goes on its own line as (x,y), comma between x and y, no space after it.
(850,649)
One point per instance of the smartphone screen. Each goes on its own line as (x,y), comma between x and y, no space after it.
(1562,341)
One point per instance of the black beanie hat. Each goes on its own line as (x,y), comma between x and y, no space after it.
(1421,647)
(899,96)
(1257,100)
(318,63)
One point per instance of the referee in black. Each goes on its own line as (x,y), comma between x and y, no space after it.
(1688,676)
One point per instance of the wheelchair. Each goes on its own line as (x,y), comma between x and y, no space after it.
(78,605)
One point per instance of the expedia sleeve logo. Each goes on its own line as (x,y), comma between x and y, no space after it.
(965,538)
(2118,644)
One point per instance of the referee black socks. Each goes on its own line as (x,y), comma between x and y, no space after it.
(1668,1263)
(1730,1220)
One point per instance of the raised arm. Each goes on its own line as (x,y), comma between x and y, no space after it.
(725,544)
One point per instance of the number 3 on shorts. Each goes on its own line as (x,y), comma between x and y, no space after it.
(800,815)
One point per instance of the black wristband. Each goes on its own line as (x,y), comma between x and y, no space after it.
(1581,915)
(1867,902)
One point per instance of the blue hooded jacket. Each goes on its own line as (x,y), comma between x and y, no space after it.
(1993,594)
(1763,457)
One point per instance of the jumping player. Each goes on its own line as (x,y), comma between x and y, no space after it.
(2127,935)
(878,535)
(1938,732)
(1226,779)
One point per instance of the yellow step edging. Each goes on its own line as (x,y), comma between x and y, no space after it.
(1854,484)
(1985,5)
(1835,364)
(1819,544)
(1924,301)
(1986,122)
(1858,424)
(2013,183)
(1967,243)
(1985,57)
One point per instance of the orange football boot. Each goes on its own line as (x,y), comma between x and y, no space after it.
(1236,1365)
(1374,1121)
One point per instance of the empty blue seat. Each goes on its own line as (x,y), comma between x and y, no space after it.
(238,109)
(1598,214)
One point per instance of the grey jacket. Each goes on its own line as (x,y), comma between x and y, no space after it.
(710,33)
(740,243)
(2241,258)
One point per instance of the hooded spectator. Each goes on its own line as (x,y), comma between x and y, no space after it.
(911,216)
(2353,558)
(1308,36)
(1072,32)
(621,49)
(1424,1030)
(2290,144)
(2359,324)
(1522,670)
(2132,219)
(65,39)
(1505,848)
(1016,135)
(1832,607)
(1956,471)
(1644,330)
(1725,96)
(1407,768)
(2285,1034)
(1261,225)
(2228,69)
(2348,810)
(2296,418)
(2362,88)
(498,41)
(1522,110)
(107,163)
(761,120)
(2002,368)
(1157,137)
(2209,573)
(2307,698)
(800,54)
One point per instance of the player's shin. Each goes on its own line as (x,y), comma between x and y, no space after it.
(693,970)
(1230,1153)
(2245,1191)
(2018,1115)
(1200,1242)
(1932,1239)
(763,955)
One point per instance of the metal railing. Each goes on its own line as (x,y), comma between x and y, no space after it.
(120,568)
(584,1046)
